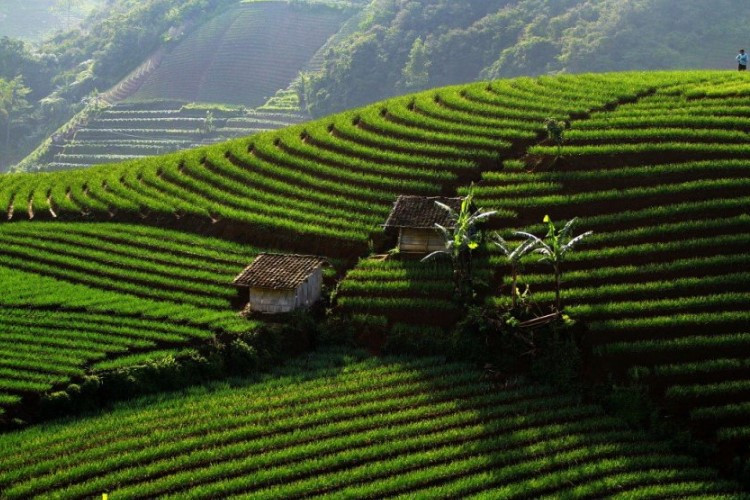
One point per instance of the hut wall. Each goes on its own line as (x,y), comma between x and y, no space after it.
(421,240)
(272,301)
(309,292)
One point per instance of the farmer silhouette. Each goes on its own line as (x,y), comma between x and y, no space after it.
(742,60)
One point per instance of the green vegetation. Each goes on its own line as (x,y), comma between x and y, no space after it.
(461,239)
(79,293)
(408,46)
(333,179)
(336,423)
(658,293)
(661,283)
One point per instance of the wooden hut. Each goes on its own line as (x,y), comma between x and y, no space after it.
(281,283)
(415,217)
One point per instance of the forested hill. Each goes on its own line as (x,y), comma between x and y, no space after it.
(405,45)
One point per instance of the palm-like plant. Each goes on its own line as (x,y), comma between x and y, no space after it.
(513,256)
(554,249)
(556,132)
(461,239)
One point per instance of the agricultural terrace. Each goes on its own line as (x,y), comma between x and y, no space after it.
(266,43)
(136,130)
(81,297)
(663,284)
(406,298)
(331,181)
(655,163)
(336,424)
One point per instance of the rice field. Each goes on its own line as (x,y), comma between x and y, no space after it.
(332,180)
(139,129)
(79,297)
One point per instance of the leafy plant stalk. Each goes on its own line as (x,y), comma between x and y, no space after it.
(555,248)
(461,239)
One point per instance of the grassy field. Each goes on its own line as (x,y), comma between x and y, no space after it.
(656,164)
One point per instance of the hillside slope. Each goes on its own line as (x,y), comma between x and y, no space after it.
(244,55)
(657,164)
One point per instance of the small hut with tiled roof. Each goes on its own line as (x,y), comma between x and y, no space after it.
(282,283)
(415,217)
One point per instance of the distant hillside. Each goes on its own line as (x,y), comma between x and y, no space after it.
(244,55)
(34,19)
(404,46)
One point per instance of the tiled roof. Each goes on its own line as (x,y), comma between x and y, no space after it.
(419,212)
(278,272)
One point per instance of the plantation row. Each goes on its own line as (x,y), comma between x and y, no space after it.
(351,427)
(128,259)
(42,349)
(336,178)
(398,296)
(83,296)
(662,283)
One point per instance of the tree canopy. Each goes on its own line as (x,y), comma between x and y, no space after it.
(417,44)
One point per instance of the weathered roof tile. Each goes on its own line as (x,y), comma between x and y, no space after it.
(278,272)
(420,212)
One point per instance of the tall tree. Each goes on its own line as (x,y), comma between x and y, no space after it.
(555,248)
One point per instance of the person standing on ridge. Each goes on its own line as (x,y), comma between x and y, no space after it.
(742,60)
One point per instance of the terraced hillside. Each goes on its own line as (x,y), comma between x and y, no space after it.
(332,180)
(333,425)
(84,297)
(141,129)
(244,55)
(663,284)
(655,164)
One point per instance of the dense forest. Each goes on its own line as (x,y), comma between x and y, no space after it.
(406,45)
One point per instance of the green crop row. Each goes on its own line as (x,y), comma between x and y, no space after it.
(617,135)
(647,119)
(380,427)
(695,149)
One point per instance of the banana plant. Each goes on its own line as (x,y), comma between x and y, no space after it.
(461,238)
(513,256)
(555,248)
